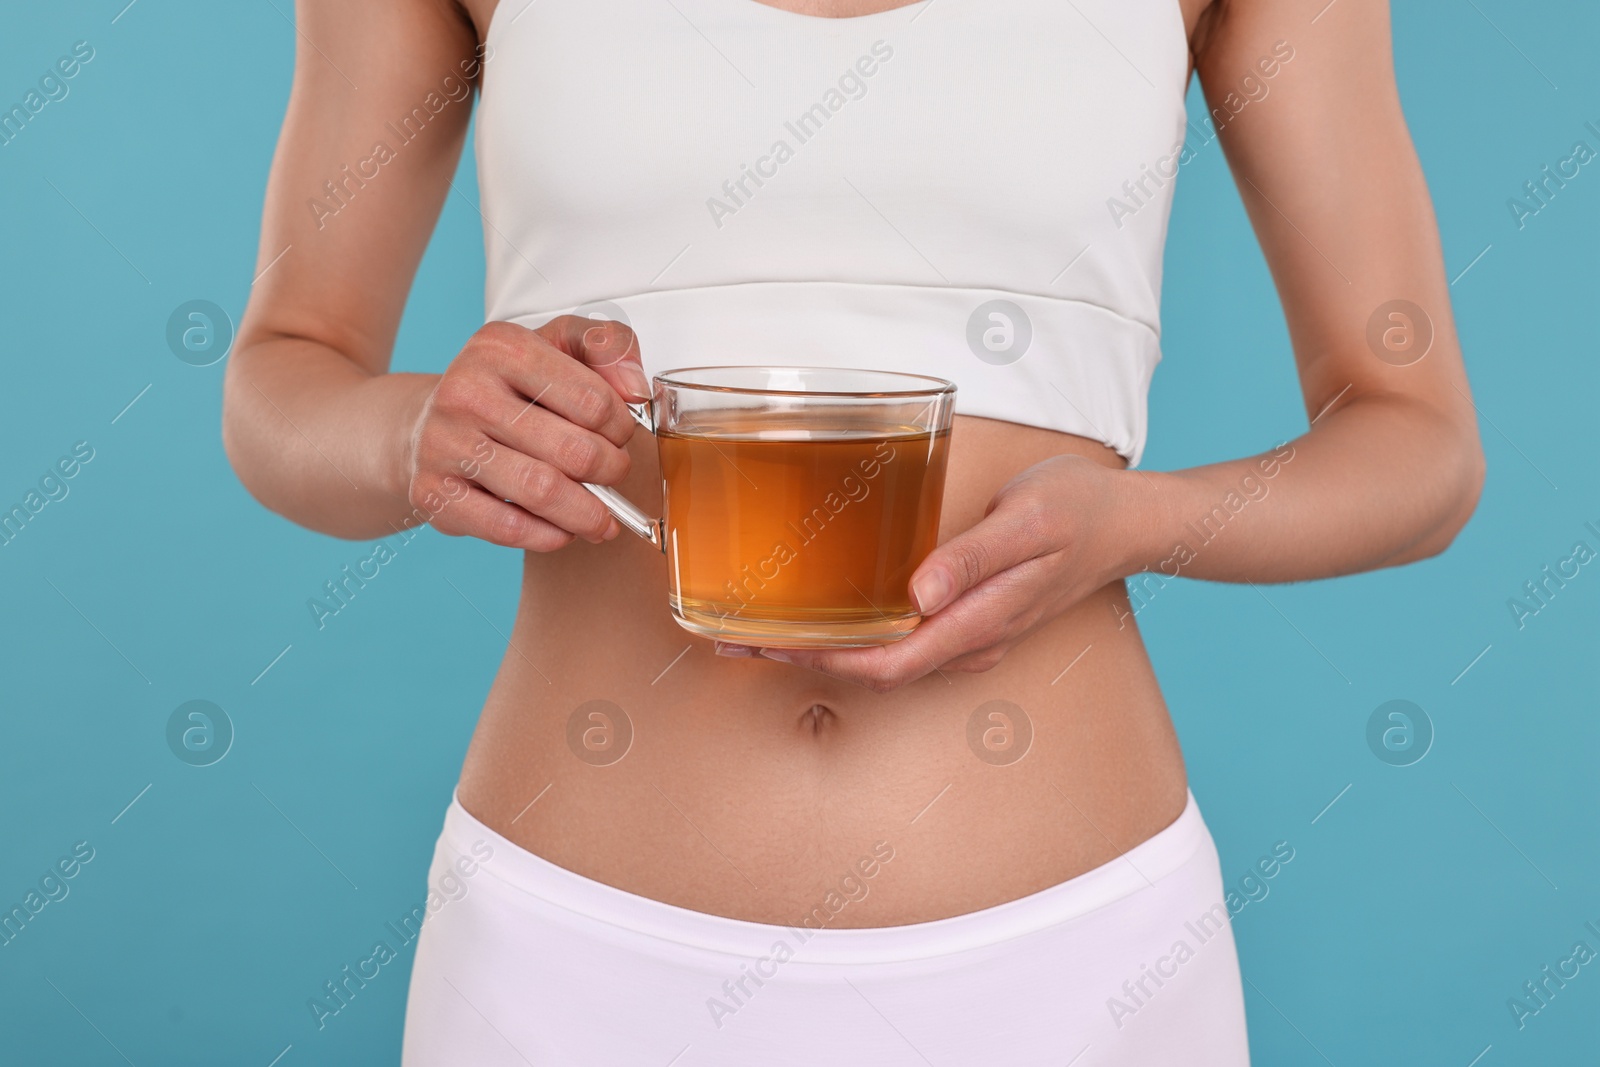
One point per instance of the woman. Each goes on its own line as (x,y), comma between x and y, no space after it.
(797,856)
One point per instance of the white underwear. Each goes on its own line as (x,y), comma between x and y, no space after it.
(522,962)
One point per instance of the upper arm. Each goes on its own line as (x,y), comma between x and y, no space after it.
(1327,171)
(376,119)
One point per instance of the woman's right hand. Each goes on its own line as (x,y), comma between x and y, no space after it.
(519,419)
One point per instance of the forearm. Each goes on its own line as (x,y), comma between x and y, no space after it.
(319,440)
(1379,481)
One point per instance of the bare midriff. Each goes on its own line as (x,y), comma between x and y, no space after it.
(751,788)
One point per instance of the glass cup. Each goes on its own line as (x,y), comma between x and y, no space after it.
(796,501)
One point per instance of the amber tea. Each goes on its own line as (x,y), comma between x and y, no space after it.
(796,501)
(804,526)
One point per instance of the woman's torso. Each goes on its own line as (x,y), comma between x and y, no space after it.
(753,789)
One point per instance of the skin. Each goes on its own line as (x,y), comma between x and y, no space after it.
(754,782)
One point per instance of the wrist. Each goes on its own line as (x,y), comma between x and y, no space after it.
(1142,522)
(408,404)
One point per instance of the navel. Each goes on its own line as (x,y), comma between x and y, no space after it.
(817,718)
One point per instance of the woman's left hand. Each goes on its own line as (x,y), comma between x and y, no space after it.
(1051,536)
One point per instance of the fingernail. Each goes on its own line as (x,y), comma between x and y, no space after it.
(930,591)
(633,379)
(722,648)
(773,653)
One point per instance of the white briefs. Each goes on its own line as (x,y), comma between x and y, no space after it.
(525,962)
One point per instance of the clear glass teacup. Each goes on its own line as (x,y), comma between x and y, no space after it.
(797,501)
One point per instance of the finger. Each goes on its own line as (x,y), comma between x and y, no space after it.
(1014,531)
(881,668)
(545,375)
(579,453)
(476,513)
(985,659)
(541,490)
(608,347)
(971,627)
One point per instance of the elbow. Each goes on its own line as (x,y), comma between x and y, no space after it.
(234,437)
(235,434)
(236,447)
(242,433)
(1473,478)
(1462,488)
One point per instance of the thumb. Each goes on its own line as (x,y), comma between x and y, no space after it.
(608,347)
(1010,534)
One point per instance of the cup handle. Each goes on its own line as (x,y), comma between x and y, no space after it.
(624,510)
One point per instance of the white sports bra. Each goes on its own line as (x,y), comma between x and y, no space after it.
(972,189)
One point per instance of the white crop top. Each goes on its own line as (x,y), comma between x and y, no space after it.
(972,189)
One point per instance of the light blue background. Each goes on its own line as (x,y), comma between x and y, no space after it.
(1414,907)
